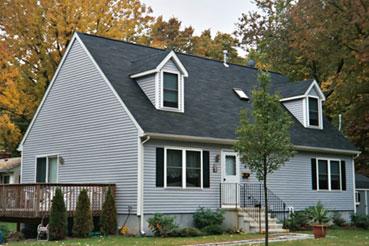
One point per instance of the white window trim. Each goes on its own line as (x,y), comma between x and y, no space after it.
(180,79)
(329,173)
(320,113)
(184,178)
(47,166)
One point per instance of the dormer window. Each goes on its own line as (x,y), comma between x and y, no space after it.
(170,90)
(313,111)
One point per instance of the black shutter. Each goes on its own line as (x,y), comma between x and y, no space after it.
(159,167)
(313,173)
(343,173)
(206,169)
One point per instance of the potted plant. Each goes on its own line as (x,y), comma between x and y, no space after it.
(319,218)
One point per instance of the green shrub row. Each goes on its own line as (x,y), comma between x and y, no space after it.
(206,221)
(82,220)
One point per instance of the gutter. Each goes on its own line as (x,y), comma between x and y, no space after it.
(226,141)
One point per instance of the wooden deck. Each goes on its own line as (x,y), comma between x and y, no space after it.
(30,201)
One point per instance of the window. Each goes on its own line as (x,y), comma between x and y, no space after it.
(230,165)
(241,94)
(174,168)
(357,198)
(323,174)
(6,179)
(313,111)
(193,168)
(183,168)
(46,169)
(170,90)
(329,174)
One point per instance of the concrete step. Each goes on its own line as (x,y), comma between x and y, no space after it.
(279,230)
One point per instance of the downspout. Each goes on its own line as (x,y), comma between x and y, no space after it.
(142,217)
(354,181)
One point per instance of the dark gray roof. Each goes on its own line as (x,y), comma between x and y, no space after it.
(361,181)
(148,62)
(211,107)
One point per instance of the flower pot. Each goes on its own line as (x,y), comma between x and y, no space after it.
(319,231)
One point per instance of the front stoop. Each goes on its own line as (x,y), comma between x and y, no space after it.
(249,224)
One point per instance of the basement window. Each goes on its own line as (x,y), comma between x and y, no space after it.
(241,94)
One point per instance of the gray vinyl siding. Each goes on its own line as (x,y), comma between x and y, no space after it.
(83,122)
(178,200)
(147,84)
(296,108)
(313,92)
(170,65)
(292,183)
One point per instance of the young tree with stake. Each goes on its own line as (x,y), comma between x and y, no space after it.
(263,138)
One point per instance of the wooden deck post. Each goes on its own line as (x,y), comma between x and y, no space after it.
(37,200)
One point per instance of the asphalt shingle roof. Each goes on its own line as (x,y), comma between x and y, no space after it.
(361,181)
(211,107)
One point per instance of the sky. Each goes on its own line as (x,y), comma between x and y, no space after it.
(218,15)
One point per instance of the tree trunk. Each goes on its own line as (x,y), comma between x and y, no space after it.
(266,210)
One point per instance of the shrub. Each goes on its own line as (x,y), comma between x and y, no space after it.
(185,232)
(360,221)
(58,217)
(338,220)
(206,217)
(109,214)
(213,229)
(5,231)
(161,225)
(318,214)
(297,221)
(82,224)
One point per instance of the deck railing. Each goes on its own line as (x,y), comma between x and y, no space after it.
(34,200)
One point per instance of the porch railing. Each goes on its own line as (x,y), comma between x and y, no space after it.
(34,200)
(251,197)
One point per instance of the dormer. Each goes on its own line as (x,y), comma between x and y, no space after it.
(307,107)
(161,78)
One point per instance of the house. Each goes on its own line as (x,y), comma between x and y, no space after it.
(160,126)
(10,170)
(362,194)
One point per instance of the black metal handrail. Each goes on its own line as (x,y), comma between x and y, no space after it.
(251,197)
(254,197)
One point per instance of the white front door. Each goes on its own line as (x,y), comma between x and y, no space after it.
(230,189)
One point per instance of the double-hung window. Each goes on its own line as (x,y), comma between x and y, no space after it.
(329,174)
(314,112)
(46,169)
(183,168)
(170,90)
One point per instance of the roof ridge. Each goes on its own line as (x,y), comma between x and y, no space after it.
(177,52)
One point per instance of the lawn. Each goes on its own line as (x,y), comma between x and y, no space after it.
(345,237)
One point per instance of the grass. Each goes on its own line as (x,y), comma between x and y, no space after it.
(335,237)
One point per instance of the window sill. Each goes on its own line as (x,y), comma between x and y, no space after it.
(330,191)
(184,189)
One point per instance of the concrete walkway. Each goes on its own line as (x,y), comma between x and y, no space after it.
(272,239)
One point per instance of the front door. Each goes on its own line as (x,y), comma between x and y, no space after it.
(230,190)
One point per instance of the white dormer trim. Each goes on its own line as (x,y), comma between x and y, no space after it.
(313,84)
(305,105)
(172,55)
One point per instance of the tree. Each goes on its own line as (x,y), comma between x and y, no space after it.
(31,49)
(263,140)
(82,222)
(109,214)
(321,39)
(58,217)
